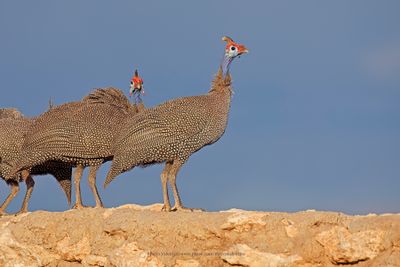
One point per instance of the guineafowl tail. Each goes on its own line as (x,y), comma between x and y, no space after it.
(110,176)
(66,187)
(108,96)
(115,170)
(62,172)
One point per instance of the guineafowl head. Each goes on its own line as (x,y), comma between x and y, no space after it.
(232,50)
(136,81)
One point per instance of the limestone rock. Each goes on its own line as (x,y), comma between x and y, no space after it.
(71,251)
(244,221)
(129,255)
(14,253)
(94,260)
(243,255)
(153,207)
(290,229)
(132,235)
(187,263)
(344,247)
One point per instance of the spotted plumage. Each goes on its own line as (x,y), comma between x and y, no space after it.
(13,127)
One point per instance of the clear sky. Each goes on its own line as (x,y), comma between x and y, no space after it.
(315,118)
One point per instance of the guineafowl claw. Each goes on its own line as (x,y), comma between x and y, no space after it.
(3,213)
(22,211)
(166,208)
(79,206)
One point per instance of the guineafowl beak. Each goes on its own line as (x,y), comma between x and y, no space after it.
(242,50)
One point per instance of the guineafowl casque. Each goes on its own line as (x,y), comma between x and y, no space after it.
(13,127)
(173,131)
(79,133)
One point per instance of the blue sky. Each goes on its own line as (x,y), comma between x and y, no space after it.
(315,118)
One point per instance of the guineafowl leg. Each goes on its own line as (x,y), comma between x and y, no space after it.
(92,184)
(164,183)
(14,191)
(172,180)
(30,183)
(77,182)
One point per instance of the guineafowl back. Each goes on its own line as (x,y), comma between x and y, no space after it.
(10,113)
(77,132)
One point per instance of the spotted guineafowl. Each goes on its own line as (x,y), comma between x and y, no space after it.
(173,131)
(79,133)
(13,127)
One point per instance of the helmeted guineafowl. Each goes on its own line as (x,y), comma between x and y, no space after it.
(173,131)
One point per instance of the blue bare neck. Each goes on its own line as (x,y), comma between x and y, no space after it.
(137,96)
(225,64)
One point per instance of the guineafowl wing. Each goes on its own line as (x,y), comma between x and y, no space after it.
(82,129)
(76,131)
(164,132)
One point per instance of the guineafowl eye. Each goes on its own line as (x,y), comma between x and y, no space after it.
(233,48)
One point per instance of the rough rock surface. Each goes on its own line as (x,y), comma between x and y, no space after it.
(133,235)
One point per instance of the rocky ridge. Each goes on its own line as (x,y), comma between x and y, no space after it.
(133,235)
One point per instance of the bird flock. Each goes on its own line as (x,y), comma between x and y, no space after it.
(104,126)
